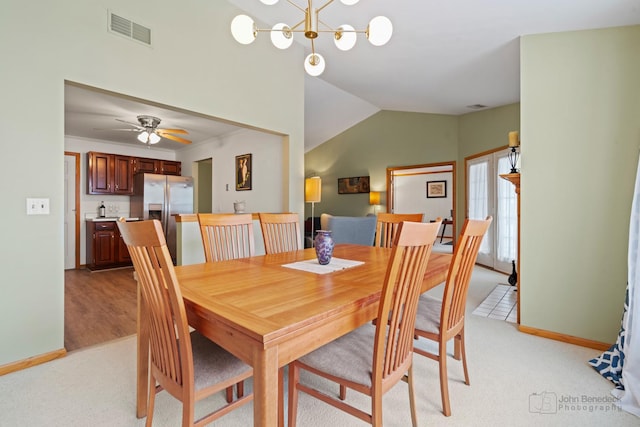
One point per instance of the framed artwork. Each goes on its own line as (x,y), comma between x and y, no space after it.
(243,172)
(436,189)
(353,185)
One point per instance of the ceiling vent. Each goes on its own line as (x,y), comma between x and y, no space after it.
(129,29)
(477,106)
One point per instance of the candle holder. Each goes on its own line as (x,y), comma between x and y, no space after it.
(513,159)
(514,144)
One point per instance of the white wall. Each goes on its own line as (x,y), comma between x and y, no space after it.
(410,192)
(266,194)
(194,64)
(580,133)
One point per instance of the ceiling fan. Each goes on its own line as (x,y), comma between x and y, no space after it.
(149,132)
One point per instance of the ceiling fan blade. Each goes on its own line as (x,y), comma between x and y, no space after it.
(127,130)
(137,126)
(172,137)
(180,131)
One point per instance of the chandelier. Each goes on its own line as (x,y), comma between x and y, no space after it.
(378,32)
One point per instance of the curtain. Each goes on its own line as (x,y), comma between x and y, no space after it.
(621,363)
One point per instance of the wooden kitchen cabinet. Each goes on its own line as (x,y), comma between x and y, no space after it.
(109,174)
(163,167)
(105,247)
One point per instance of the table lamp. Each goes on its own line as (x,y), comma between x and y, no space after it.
(374,199)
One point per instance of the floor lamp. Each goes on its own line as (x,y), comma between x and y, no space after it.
(313,195)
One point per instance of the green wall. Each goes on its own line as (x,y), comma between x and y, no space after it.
(194,65)
(580,110)
(580,133)
(386,139)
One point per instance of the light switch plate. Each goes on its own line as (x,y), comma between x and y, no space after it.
(37,206)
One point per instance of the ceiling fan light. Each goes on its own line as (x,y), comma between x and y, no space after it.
(281,36)
(154,138)
(379,30)
(346,2)
(143,137)
(244,29)
(314,64)
(345,37)
(271,2)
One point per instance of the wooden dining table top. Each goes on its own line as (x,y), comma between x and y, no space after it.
(263,300)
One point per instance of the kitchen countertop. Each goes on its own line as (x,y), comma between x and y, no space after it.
(111,218)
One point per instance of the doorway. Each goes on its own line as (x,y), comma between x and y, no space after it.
(410,189)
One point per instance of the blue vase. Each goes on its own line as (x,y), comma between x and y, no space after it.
(324,246)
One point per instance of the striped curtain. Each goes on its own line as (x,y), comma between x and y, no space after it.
(621,363)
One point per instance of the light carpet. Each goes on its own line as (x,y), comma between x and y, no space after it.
(516,380)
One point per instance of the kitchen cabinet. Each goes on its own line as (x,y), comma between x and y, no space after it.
(105,247)
(162,167)
(109,174)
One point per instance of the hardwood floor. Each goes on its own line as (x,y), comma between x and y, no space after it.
(99,306)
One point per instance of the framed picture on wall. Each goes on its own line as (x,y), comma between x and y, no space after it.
(243,172)
(436,189)
(353,185)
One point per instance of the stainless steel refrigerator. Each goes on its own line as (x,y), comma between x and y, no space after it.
(160,197)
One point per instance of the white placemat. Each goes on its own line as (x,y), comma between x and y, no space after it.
(313,266)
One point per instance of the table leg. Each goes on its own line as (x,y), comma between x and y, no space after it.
(444,227)
(142,380)
(265,387)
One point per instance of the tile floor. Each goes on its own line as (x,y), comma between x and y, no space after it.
(500,304)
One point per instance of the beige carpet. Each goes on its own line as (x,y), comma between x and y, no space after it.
(516,380)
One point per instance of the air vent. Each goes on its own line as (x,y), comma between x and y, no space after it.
(476,106)
(129,29)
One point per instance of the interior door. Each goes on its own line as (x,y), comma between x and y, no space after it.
(488,194)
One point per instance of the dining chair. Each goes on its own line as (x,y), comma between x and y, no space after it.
(187,365)
(373,358)
(280,231)
(440,320)
(226,236)
(387,227)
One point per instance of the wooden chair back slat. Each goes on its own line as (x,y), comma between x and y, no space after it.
(280,231)
(226,236)
(387,227)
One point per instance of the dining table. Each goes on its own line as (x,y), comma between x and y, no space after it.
(269,310)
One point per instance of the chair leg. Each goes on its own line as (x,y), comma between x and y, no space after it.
(343,392)
(464,358)
(229,394)
(281,397)
(444,384)
(412,398)
(294,377)
(376,409)
(151,400)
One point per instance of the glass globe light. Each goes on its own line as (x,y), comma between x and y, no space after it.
(379,30)
(314,64)
(345,37)
(281,36)
(143,136)
(349,2)
(270,2)
(243,29)
(154,138)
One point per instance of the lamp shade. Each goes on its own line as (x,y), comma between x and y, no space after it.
(313,189)
(374,197)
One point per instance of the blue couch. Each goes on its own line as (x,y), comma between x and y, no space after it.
(359,230)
